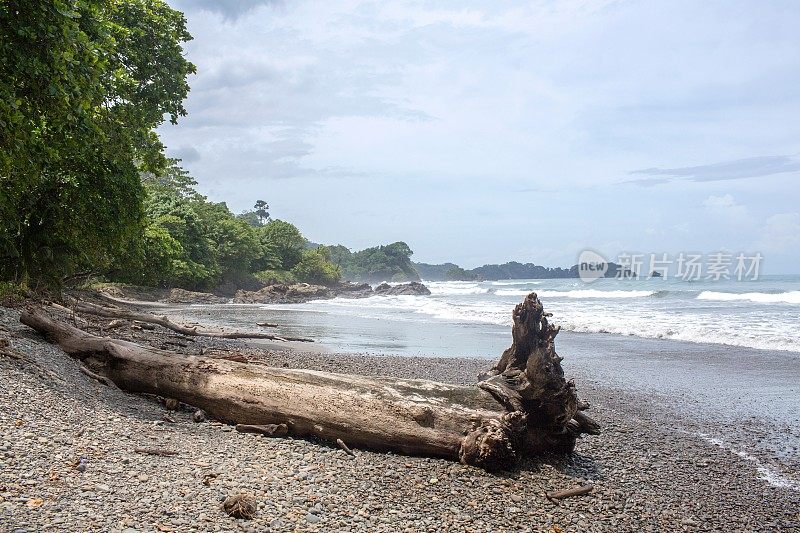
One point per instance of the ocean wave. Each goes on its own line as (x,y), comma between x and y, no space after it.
(792,297)
(580,293)
(768,474)
(507,283)
(592,315)
(444,288)
(406,307)
(700,328)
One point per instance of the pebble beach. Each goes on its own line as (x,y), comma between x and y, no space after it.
(76,455)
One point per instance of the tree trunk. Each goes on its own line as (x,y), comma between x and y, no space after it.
(490,426)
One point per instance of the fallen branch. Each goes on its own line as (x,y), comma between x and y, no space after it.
(266,324)
(568,493)
(268,430)
(131,303)
(75,319)
(97,377)
(8,351)
(344,447)
(147,320)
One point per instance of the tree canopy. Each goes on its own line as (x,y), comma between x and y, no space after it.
(391,262)
(84,182)
(83,85)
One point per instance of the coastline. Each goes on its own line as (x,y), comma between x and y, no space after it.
(651,468)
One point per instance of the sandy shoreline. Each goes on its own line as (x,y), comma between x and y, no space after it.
(652,471)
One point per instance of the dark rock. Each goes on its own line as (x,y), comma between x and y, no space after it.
(413,288)
(199,416)
(284,293)
(354,290)
(240,506)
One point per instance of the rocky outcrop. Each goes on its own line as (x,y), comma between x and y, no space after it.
(354,290)
(282,293)
(182,296)
(413,288)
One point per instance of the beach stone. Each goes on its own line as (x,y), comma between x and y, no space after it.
(695,485)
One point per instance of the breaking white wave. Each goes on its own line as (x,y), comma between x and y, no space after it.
(770,475)
(456,287)
(792,297)
(580,317)
(698,312)
(505,283)
(410,307)
(706,327)
(583,293)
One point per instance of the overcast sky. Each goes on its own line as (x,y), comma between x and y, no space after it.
(497,131)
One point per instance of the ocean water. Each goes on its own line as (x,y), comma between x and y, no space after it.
(726,354)
(761,314)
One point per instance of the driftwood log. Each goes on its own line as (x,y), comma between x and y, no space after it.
(523,407)
(118,313)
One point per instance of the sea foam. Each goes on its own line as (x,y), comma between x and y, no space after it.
(791,297)
(579,293)
(768,474)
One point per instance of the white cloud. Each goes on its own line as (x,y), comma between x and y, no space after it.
(719,202)
(781,234)
(430,117)
(726,208)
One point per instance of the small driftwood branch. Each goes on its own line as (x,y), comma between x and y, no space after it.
(556,496)
(268,430)
(344,447)
(97,377)
(266,325)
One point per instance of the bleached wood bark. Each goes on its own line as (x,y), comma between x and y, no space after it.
(525,407)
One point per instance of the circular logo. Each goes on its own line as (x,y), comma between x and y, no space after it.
(591,266)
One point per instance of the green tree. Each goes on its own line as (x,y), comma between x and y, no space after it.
(456,273)
(251,218)
(83,85)
(262,211)
(236,245)
(285,240)
(315,267)
(391,262)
